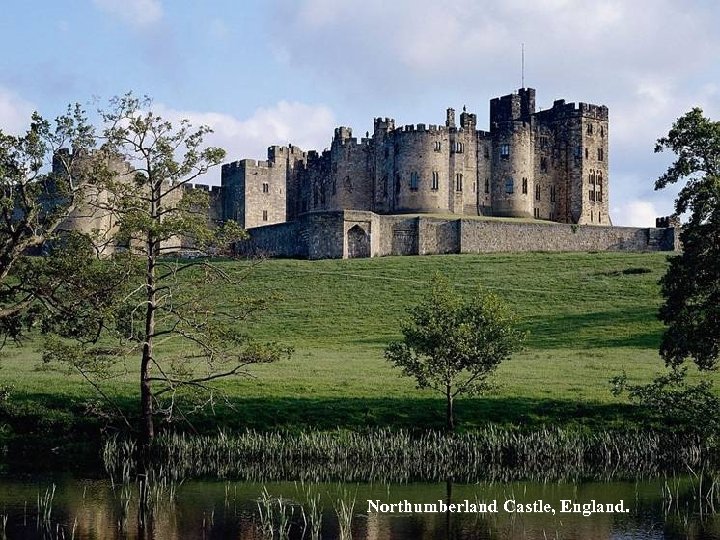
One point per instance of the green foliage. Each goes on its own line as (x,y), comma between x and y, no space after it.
(451,345)
(41,183)
(691,286)
(674,402)
(150,304)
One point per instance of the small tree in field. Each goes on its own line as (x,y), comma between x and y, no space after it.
(451,345)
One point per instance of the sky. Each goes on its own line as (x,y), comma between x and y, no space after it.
(264,72)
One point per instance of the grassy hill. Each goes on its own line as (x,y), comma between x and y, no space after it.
(590,316)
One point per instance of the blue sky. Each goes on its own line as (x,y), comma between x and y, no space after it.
(279,71)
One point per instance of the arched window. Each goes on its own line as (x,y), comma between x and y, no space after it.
(524,186)
(458,182)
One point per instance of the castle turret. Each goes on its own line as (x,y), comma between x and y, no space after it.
(512,181)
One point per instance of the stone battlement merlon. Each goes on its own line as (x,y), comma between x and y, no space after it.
(421,128)
(562,110)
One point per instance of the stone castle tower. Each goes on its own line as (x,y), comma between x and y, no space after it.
(548,165)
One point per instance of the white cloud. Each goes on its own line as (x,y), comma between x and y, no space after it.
(309,127)
(138,13)
(14,112)
(636,213)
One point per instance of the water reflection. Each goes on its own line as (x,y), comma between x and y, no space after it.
(95,509)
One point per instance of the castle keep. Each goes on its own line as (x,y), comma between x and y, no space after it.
(549,165)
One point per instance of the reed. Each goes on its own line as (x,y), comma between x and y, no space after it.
(493,453)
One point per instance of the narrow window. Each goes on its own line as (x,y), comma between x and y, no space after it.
(385,186)
(592,216)
(486,152)
(266,187)
(602,131)
(264,215)
(524,186)
(587,153)
(543,164)
(537,192)
(600,154)
(552,193)
(437,146)
(334,186)
(600,187)
(487,185)
(474,188)
(509,186)
(505,151)
(414,181)
(458,182)
(589,129)
(592,195)
(435,181)
(536,212)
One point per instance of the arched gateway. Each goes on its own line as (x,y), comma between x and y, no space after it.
(358,242)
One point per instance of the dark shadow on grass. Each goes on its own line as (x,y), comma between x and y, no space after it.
(407,413)
(627,328)
(330,413)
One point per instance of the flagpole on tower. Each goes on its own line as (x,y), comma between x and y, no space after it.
(522,67)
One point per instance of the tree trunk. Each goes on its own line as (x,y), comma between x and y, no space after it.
(147,429)
(450,415)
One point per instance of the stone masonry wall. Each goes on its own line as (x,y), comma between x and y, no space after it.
(489,236)
(325,235)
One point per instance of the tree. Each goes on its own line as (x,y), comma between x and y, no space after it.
(452,345)
(166,315)
(691,286)
(40,186)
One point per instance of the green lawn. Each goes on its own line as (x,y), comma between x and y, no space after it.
(589,316)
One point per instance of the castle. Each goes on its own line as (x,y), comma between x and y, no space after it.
(424,189)
(550,165)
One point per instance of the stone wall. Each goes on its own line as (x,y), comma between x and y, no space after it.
(490,236)
(326,235)
(279,240)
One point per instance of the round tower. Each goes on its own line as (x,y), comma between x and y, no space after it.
(421,168)
(512,180)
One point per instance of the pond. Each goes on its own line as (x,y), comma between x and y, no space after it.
(68,507)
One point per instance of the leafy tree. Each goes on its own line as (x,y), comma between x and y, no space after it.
(40,186)
(691,286)
(165,315)
(452,345)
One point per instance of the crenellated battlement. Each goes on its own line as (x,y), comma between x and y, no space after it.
(561,110)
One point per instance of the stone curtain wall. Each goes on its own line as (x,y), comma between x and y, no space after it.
(488,236)
(324,235)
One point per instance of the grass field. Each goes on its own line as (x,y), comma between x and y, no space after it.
(589,316)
